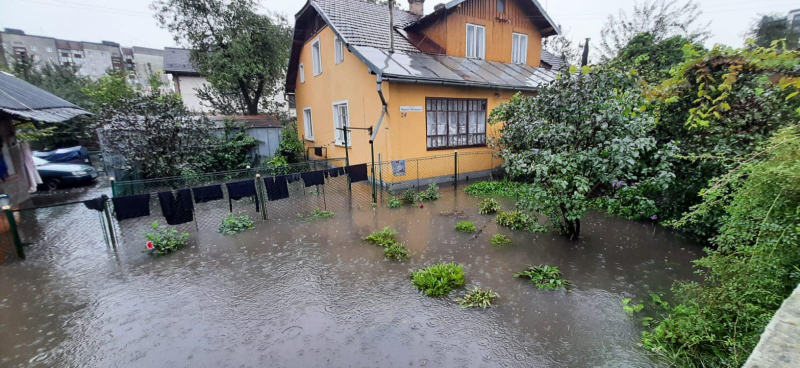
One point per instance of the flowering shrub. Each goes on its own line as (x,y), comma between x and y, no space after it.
(164,240)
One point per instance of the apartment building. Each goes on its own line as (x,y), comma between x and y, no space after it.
(16,45)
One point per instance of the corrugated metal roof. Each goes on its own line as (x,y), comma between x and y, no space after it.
(416,67)
(177,61)
(24,100)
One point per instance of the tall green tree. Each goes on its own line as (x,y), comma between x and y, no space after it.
(242,54)
(773,27)
(652,59)
(580,139)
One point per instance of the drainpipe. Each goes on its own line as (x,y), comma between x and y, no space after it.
(379,81)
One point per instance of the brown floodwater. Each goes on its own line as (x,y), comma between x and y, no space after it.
(297,293)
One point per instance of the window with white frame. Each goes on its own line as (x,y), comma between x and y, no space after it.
(302,71)
(519,48)
(338,48)
(316,57)
(476,41)
(341,120)
(49,49)
(455,122)
(308,124)
(33,48)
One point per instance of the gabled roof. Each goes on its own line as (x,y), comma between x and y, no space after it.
(545,19)
(24,100)
(177,61)
(554,61)
(364,29)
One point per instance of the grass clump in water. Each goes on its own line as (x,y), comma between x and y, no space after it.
(478,297)
(429,194)
(488,205)
(233,224)
(317,214)
(383,237)
(545,277)
(396,251)
(500,240)
(516,220)
(503,188)
(439,279)
(394,202)
(466,227)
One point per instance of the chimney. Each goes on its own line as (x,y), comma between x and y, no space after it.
(416,7)
(585,57)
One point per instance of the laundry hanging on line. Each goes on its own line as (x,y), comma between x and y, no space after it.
(207,193)
(241,189)
(312,178)
(277,188)
(293,178)
(357,173)
(131,207)
(335,172)
(178,208)
(97,204)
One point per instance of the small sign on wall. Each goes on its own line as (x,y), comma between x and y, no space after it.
(399,167)
(410,108)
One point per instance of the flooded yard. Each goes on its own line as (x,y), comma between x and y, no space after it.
(297,293)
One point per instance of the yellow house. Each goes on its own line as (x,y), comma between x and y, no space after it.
(426,84)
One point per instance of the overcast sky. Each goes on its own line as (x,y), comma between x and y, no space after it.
(131,22)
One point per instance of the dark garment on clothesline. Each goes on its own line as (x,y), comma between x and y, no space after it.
(277,188)
(293,178)
(131,206)
(318,151)
(177,209)
(207,194)
(335,172)
(97,204)
(357,173)
(312,178)
(242,189)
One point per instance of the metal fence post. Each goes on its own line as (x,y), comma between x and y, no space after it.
(261,192)
(110,225)
(455,169)
(12,226)
(113,188)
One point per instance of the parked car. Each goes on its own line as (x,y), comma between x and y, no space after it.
(55,176)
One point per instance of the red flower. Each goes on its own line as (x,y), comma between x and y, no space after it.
(150,245)
(421,206)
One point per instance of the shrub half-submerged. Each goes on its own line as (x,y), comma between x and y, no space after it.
(545,277)
(439,279)
(164,240)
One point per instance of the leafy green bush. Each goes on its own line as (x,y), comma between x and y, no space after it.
(394,202)
(631,308)
(397,251)
(545,277)
(751,270)
(500,240)
(516,220)
(429,194)
(466,227)
(236,224)
(383,238)
(439,279)
(491,188)
(488,205)
(409,196)
(317,214)
(629,201)
(478,297)
(164,240)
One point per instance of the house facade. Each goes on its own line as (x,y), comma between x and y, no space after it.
(429,81)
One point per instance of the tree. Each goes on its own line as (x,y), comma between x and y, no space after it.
(773,27)
(111,89)
(718,321)
(156,134)
(230,151)
(562,46)
(581,138)
(650,58)
(660,18)
(234,47)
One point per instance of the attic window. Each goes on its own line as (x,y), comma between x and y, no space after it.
(501,6)
(317,59)
(476,41)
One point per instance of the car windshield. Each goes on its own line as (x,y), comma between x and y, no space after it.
(39,161)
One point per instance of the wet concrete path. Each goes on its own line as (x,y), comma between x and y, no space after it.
(293,293)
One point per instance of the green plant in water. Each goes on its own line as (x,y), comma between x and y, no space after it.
(383,238)
(478,297)
(488,205)
(500,240)
(631,308)
(429,194)
(439,279)
(489,188)
(409,196)
(316,214)
(545,277)
(516,220)
(396,251)
(233,224)
(466,227)
(394,202)
(164,240)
